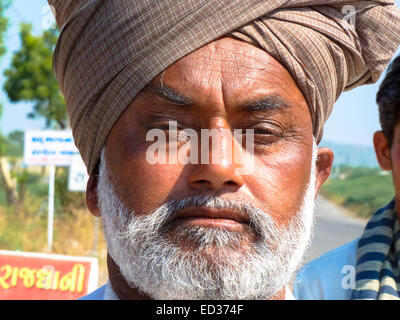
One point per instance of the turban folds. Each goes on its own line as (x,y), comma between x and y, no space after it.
(109,50)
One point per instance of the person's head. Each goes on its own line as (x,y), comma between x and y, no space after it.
(253,236)
(387,141)
(184,217)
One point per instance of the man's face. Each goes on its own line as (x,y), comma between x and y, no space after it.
(221,79)
(231,85)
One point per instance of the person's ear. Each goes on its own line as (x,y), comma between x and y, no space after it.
(323,166)
(382,151)
(91,195)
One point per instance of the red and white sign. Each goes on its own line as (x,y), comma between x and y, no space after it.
(37,276)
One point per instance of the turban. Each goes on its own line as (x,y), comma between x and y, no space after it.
(109,50)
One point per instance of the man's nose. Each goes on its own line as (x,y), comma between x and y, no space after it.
(219,163)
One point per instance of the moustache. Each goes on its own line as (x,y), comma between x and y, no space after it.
(164,218)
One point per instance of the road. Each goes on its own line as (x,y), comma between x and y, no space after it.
(333,228)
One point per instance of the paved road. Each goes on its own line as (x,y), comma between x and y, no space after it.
(333,228)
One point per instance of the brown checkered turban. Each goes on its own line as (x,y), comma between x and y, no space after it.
(109,50)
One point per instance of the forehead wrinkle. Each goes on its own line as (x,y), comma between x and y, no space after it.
(225,73)
(239,68)
(221,63)
(243,60)
(241,51)
(237,77)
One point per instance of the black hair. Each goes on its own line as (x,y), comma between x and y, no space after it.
(388,100)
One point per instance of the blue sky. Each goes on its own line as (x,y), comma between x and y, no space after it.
(353,121)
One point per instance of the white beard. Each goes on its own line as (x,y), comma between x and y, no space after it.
(217,265)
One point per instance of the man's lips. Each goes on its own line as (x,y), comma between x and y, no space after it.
(211,217)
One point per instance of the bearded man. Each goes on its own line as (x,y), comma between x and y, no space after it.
(270,69)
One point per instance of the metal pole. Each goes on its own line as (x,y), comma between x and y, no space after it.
(50,222)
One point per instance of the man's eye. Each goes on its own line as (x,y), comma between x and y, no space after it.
(268,130)
(262,131)
(168,127)
(266,135)
(164,127)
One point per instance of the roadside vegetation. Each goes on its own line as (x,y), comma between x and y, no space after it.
(361,190)
(23,223)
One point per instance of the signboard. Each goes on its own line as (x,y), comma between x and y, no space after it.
(78,176)
(37,276)
(49,148)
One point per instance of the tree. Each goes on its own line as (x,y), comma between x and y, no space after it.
(10,185)
(5,175)
(4,4)
(30,77)
(15,144)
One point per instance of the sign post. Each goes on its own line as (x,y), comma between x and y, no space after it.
(50,223)
(49,148)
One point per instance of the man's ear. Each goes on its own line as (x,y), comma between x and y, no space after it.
(382,151)
(91,195)
(323,166)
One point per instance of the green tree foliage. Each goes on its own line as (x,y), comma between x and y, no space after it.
(30,77)
(14,144)
(5,177)
(4,4)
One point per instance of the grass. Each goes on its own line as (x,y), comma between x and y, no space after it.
(74,235)
(361,190)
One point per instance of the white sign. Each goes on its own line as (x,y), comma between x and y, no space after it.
(49,148)
(78,176)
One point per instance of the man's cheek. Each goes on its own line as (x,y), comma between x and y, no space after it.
(279,187)
(283,173)
(150,183)
(395,156)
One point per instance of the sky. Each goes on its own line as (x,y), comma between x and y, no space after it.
(354,118)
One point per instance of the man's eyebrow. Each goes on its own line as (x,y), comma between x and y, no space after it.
(164,92)
(268,103)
